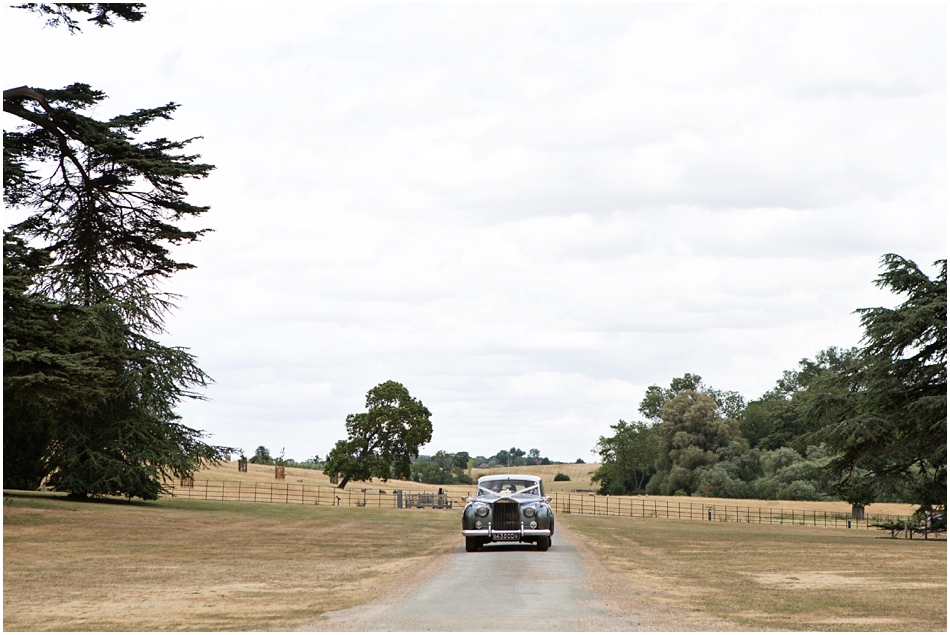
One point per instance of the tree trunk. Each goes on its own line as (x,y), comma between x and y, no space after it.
(346,479)
(857,512)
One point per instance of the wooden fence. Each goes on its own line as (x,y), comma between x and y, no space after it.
(286,493)
(562,502)
(645,508)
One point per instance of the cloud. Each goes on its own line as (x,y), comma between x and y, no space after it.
(525,214)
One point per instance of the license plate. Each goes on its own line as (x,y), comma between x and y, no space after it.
(505,535)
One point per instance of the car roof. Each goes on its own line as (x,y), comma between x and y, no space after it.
(509,477)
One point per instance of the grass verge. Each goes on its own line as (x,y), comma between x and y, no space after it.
(208,566)
(777,577)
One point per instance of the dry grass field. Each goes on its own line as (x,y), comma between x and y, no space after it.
(197,565)
(190,565)
(579,473)
(580,479)
(776,578)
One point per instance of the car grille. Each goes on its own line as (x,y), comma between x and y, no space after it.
(505,516)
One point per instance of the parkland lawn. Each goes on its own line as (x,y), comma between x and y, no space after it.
(197,565)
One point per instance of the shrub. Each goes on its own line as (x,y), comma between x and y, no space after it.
(560,476)
(799,491)
(679,478)
(657,483)
(708,490)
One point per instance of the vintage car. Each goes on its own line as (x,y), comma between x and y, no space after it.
(508,508)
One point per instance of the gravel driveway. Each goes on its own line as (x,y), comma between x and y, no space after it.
(511,588)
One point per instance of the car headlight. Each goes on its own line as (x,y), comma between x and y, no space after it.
(529,511)
(482,511)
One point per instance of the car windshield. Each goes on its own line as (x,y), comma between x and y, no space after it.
(514,486)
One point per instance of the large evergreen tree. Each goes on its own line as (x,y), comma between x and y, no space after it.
(889,408)
(106,207)
(54,362)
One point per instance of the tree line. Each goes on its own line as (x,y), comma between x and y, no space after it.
(862,424)
(441,468)
(262,456)
(447,468)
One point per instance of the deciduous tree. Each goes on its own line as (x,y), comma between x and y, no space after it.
(694,436)
(783,417)
(628,457)
(382,441)
(730,403)
(261,456)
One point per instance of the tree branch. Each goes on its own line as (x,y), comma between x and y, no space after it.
(12,105)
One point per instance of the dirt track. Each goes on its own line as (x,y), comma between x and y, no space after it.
(517,588)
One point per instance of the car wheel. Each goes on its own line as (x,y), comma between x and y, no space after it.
(472,543)
(543,543)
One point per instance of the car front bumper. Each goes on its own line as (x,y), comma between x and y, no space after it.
(510,534)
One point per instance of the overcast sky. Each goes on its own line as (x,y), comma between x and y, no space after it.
(526,214)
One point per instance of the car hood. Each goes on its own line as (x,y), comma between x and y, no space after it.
(516,497)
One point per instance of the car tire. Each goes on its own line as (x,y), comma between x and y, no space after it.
(543,543)
(472,543)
